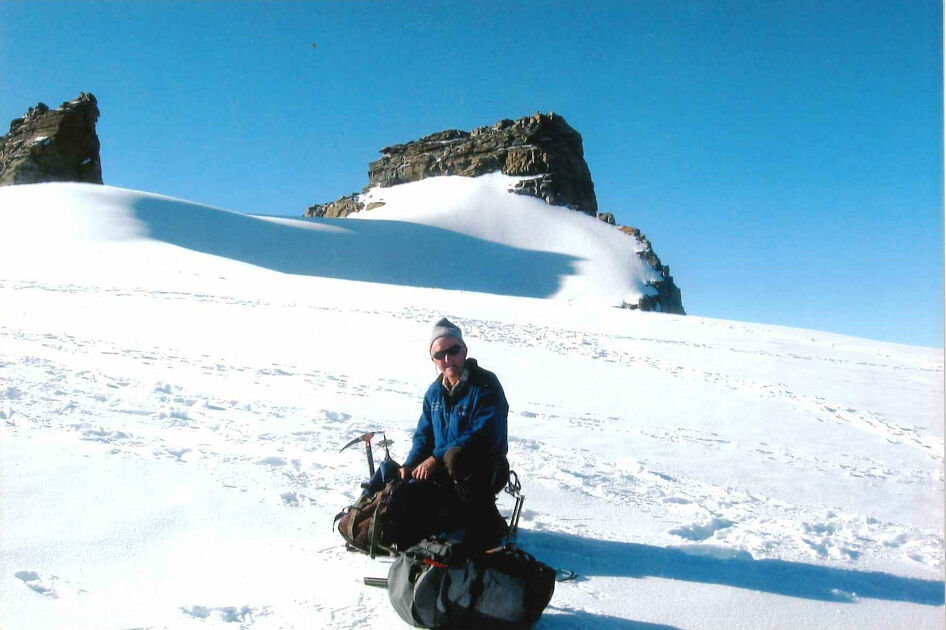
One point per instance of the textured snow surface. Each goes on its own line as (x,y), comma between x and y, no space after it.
(176,382)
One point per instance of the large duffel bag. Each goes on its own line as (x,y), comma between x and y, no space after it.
(397,516)
(436,584)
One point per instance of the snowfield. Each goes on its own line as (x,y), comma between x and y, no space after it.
(176,382)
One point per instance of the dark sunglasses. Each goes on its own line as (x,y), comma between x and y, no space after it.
(452,350)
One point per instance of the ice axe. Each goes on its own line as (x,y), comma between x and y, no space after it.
(385,443)
(366,438)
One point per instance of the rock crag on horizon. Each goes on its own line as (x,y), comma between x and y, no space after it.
(53,145)
(542,148)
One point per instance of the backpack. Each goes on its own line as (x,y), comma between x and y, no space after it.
(399,515)
(436,584)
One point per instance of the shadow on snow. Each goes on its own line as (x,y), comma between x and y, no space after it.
(793,579)
(578,619)
(389,252)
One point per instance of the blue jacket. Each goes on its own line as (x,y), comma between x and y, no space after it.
(474,416)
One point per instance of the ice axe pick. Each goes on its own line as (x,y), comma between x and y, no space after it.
(366,438)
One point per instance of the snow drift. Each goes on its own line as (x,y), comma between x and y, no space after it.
(451,233)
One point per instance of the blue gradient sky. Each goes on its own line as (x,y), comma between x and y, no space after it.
(785,158)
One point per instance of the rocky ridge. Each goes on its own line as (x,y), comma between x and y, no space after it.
(542,148)
(53,145)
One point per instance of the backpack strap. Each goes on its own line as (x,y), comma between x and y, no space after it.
(338,517)
(476,590)
(374,536)
(350,508)
(349,525)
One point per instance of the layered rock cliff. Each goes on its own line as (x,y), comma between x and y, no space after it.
(541,147)
(53,145)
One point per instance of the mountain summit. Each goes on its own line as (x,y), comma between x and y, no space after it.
(53,145)
(541,156)
(542,149)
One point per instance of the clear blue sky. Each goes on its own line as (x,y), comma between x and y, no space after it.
(785,158)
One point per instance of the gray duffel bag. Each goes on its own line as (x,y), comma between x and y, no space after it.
(436,584)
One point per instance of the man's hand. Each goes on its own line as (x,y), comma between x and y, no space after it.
(403,472)
(427,469)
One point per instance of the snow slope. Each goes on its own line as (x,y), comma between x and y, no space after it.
(605,265)
(176,381)
(452,233)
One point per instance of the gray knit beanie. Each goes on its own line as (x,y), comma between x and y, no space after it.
(444,328)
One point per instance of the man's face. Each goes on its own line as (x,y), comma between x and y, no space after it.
(448,355)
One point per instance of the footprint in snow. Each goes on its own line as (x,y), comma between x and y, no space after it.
(32,580)
(292,499)
(53,588)
(701,531)
(333,416)
(177,454)
(244,615)
(165,388)
(274,461)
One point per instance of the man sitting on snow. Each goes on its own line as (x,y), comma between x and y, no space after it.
(461,435)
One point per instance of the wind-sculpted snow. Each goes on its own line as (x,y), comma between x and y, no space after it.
(170,433)
(388,252)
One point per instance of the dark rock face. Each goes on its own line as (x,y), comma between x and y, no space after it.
(668,298)
(53,145)
(341,207)
(542,146)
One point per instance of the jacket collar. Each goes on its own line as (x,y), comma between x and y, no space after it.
(458,389)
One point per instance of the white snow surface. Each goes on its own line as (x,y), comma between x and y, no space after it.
(176,382)
(604,261)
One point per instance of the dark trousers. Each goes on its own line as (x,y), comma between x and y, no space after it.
(477,473)
(477,476)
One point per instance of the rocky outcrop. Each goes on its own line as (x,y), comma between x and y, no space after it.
(341,207)
(541,147)
(53,145)
(668,298)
